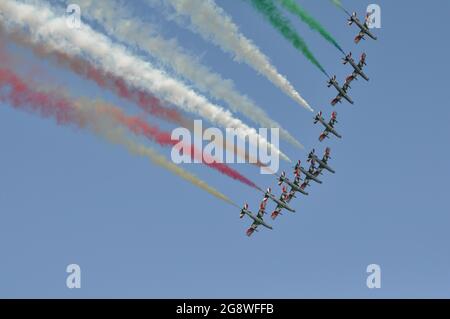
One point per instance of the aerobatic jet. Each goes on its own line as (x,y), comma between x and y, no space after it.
(258,219)
(356,67)
(342,91)
(297,179)
(310,174)
(305,183)
(329,127)
(285,198)
(323,163)
(364,27)
(281,202)
(295,185)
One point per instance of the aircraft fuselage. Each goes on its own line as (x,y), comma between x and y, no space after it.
(342,92)
(281,203)
(310,176)
(328,127)
(258,220)
(364,28)
(295,187)
(358,69)
(323,164)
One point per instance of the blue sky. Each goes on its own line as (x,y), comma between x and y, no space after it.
(136,230)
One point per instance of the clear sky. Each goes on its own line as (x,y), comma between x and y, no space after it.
(136,230)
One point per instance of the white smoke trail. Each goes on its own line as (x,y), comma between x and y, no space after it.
(116,19)
(213,24)
(54,31)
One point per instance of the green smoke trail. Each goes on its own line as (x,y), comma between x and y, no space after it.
(279,22)
(294,8)
(338,4)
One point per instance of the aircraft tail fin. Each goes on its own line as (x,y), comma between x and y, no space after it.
(242,214)
(281,178)
(275,214)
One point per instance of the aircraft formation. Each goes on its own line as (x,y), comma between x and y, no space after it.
(151,58)
(302,177)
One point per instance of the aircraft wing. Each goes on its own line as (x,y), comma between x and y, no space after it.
(361,64)
(305,184)
(315,171)
(284,196)
(331,123)
(290,196)
(252,228)
(262,208)
(327,167)
(324,135)
(360,36)
(337,99)
(351,77)
(367,20)
(346,86)
(276,212)
(319,171)
(362,61)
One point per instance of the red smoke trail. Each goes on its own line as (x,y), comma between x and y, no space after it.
(147,102)
(140,127)
(110,82)
(14,91)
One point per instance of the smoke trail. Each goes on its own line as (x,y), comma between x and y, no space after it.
(146,101)
(296,9)
(116,19)
(116,137)
(135,124)
(21,96)
(213,24)
(279,22)
(140,127)
(339,4)
(52,30)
